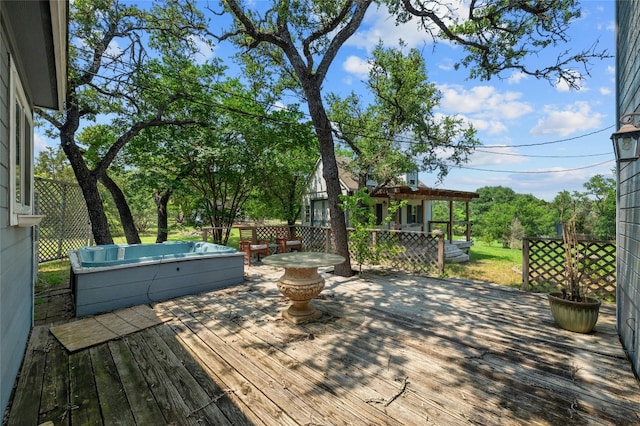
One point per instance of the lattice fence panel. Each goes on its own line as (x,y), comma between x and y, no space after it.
(271,233)
(410,251)
(65,225)
(313,238)
(547,266)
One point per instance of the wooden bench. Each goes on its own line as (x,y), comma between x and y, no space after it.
(250,245)
(287,240)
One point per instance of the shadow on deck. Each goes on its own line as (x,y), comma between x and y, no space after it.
(391,348)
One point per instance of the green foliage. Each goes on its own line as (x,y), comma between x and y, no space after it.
(601,193)
(292,151)
(516,234)
(493,213)
(404,104)
(52,163)
(363,219)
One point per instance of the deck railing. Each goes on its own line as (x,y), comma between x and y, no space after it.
(410,251)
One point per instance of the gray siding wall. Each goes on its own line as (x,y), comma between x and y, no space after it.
(628,239)
(16,257)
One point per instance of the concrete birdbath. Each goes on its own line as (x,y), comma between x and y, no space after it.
(301,281)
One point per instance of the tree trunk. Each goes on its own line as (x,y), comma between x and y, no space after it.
(163,218)
(330,174)
(89,185)
(126,218)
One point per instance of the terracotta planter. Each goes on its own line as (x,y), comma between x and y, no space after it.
(579,317)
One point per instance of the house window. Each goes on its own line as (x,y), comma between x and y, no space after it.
(320,213)
(20,149)
(379,217)
(307,213)
(412,214)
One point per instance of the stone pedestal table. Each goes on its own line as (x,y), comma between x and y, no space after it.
(301,281)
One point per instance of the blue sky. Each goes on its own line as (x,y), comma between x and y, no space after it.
(567,130)
(518,110)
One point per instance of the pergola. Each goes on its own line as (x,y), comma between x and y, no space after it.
(400,193)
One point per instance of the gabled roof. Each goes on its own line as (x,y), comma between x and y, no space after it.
(348,179)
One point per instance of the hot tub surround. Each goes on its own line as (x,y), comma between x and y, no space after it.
(109,277)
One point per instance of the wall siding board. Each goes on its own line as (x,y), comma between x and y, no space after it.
(16,257)
(16,282)
(628,238)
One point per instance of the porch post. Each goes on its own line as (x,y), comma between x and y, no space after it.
(468,231)
(525,263)
(440,237)
(450,230)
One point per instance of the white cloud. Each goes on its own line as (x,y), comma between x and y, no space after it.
(205,50)
(543,185)
(379,24)
(446,64)
(563,122)
(517,77)
(357,66)
(563,86)
(492,127)
(483,102)
(39,142)
(496,156)
(113,50)
(605,91)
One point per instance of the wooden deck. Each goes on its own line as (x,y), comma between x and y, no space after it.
(391,349)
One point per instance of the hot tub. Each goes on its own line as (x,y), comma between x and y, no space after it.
(108,277)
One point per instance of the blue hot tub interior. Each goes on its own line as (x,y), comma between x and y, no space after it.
(117,254)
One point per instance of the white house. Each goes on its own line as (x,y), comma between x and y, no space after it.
(415,216)
(33,72)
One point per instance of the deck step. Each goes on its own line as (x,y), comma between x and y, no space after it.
(454,254)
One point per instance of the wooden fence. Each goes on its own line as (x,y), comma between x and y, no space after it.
(543,266)
(65,225)
(410,251)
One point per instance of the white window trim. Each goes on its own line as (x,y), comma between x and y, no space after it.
(16,93)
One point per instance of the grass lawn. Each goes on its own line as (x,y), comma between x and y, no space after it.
(490,262)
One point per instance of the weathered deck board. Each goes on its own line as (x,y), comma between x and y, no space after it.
(26,401)
(144,406)
(55,392)
(389,349)
(84,407)
(343,386)
(301,379)
(253,402)
(215,393)
(361,357)
(113,400)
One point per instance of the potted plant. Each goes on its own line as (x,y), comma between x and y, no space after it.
(572,308)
